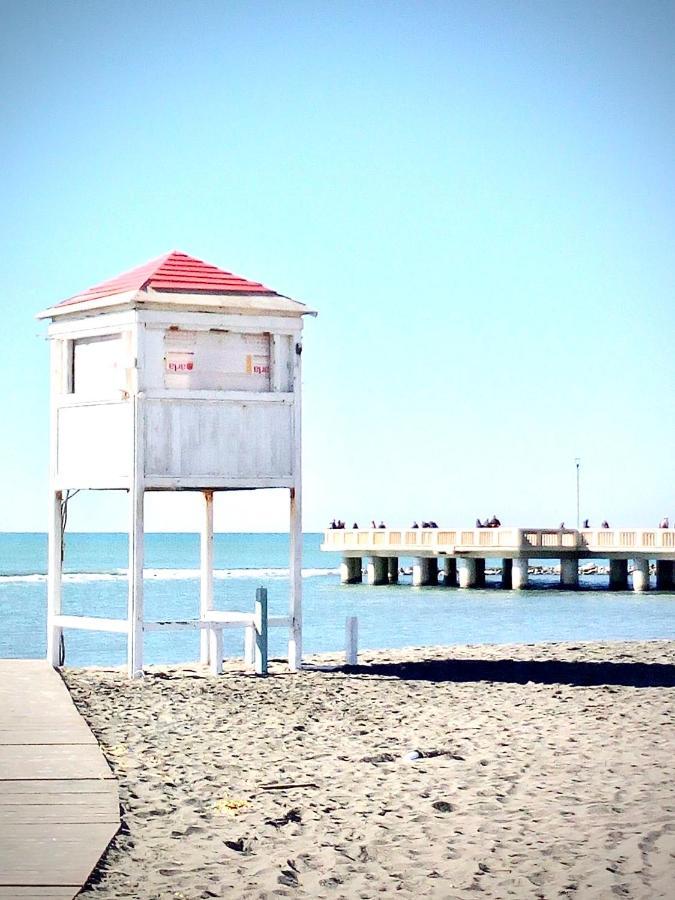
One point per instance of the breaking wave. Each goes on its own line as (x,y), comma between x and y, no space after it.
(164,575)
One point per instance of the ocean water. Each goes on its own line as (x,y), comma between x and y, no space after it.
(389,617)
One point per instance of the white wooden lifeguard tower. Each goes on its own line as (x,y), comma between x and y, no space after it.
(174,376)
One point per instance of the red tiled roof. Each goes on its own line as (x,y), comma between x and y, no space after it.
(175,271)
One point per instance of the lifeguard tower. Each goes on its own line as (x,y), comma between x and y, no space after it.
(174,376)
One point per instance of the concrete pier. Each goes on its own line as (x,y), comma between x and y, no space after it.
(507,574)
(641,575)
(519,574)
(464,551)
(467,572)
(377,571)
(569,573)
(618,574)
(424,571)
(665,575)
(350,570)
(450,571)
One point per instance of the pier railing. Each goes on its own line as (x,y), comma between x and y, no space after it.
(494,541)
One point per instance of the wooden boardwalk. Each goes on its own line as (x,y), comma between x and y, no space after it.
(59,806)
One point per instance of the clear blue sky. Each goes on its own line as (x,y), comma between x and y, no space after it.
(478,197)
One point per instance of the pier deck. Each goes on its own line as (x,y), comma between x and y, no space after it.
(470,547)
(59,806)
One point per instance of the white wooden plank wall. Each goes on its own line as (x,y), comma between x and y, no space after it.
(194,438)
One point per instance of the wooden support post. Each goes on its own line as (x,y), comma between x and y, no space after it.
(295,568)
(351,641)
(136,552)
(641,575)
(261,631)
(377,570)
(507,573)
(450,571)
(350,570)
(618,574)
(135,603)
(206,572)
(392,570)
(55,571)
(295,635)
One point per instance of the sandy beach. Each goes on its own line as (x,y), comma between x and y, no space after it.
(505,771)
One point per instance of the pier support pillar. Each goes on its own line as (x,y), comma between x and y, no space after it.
(507,574)
(392,570)
(519,574)
(467,573)
(569,573)
(425,571)
(618,574)
(665,575)
(350,570)
(450,571)
(641,575)
(480,573)
(377,570)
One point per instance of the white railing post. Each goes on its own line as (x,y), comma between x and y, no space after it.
(351,640)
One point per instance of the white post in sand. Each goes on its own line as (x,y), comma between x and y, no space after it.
(569,573)
(351,640)
(641,575)
(206,571)
(377,570)
(467,572)
(55,570)
(519,574)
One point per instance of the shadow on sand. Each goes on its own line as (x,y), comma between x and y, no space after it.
(512,671)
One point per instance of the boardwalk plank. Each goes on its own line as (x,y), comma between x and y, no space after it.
(51,786)
(52,761)
(68,852)
(59,804)
(44,892)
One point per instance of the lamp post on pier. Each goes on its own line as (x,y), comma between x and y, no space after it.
(577,463)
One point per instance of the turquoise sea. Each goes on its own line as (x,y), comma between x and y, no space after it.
(393,616)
